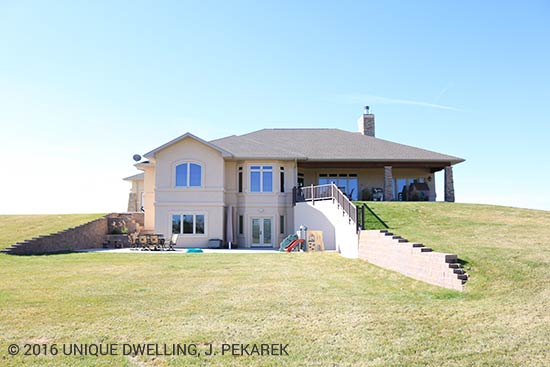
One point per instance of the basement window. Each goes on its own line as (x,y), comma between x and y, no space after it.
(189,224)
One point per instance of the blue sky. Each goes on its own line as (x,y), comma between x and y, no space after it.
(84,85)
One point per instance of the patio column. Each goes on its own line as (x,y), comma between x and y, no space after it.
(449,185)
(388,183)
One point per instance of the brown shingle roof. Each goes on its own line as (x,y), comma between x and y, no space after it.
(324,145)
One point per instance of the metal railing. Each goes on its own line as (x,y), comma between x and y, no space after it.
(327,192)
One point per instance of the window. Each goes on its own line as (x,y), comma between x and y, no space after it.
(188,224)
(241,224)
(240,179)
(282,224)
(301,180)
(261,179)
(345,182)
(401,186)
(188,175)
(282,179)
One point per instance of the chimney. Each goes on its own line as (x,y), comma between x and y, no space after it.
(366,123)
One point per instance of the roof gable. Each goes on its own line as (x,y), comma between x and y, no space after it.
(152,153)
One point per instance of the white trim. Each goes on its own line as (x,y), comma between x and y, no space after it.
(194,213)
(261,244)
(261,171)
(152,153)
(175,164)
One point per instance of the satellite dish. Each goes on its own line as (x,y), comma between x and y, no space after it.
(137,157)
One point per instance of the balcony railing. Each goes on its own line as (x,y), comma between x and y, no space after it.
(327,192)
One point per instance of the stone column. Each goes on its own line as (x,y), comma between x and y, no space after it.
(388,183)
(449,185)
(132,202)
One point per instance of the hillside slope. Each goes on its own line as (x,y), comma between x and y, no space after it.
(505,249)
(329,309)
(14,228)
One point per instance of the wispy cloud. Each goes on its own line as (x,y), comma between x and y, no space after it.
(374,99)
(443,91)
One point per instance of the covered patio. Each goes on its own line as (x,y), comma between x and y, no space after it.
(397,180)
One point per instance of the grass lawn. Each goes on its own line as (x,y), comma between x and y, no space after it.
(331,311)
(14,228)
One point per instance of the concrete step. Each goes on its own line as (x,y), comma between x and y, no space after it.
(388,233)
(403,240)
(462,276)
(458,271)
(455,266)
(417,245)
(396,237)
(425,249)
(451,258)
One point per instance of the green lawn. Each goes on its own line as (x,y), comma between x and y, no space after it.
(331,311)
(14,228)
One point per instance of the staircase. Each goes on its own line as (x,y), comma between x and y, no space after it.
(393,252)
(326,208)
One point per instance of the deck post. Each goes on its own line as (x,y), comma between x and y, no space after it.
(388,183)
(449,185)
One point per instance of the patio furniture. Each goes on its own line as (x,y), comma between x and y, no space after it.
(377,194)
(172,242)
(418,191)
(143,242)
(132,238)
(154,243)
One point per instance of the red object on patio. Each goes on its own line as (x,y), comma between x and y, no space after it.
(293,244)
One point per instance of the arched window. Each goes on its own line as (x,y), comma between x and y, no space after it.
(188,175)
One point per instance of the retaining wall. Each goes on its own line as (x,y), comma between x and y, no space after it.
(392,252)
(85,236)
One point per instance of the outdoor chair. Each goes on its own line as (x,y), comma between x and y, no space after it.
(154,244)
(132,238)
(143,243)
(172,242)
(162,242)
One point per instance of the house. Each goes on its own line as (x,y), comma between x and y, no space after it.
(189,185)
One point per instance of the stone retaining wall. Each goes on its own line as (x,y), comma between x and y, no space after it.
(85,236)
(412,259)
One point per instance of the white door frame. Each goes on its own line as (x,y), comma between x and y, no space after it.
(262,234)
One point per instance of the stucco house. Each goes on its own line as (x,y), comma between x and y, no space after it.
(188,184)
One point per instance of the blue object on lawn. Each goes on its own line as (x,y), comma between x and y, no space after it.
(194,250)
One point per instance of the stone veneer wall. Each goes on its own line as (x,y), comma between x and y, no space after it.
(388,183)
(414,260)
(85,236)
(133,202)
(449,185)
